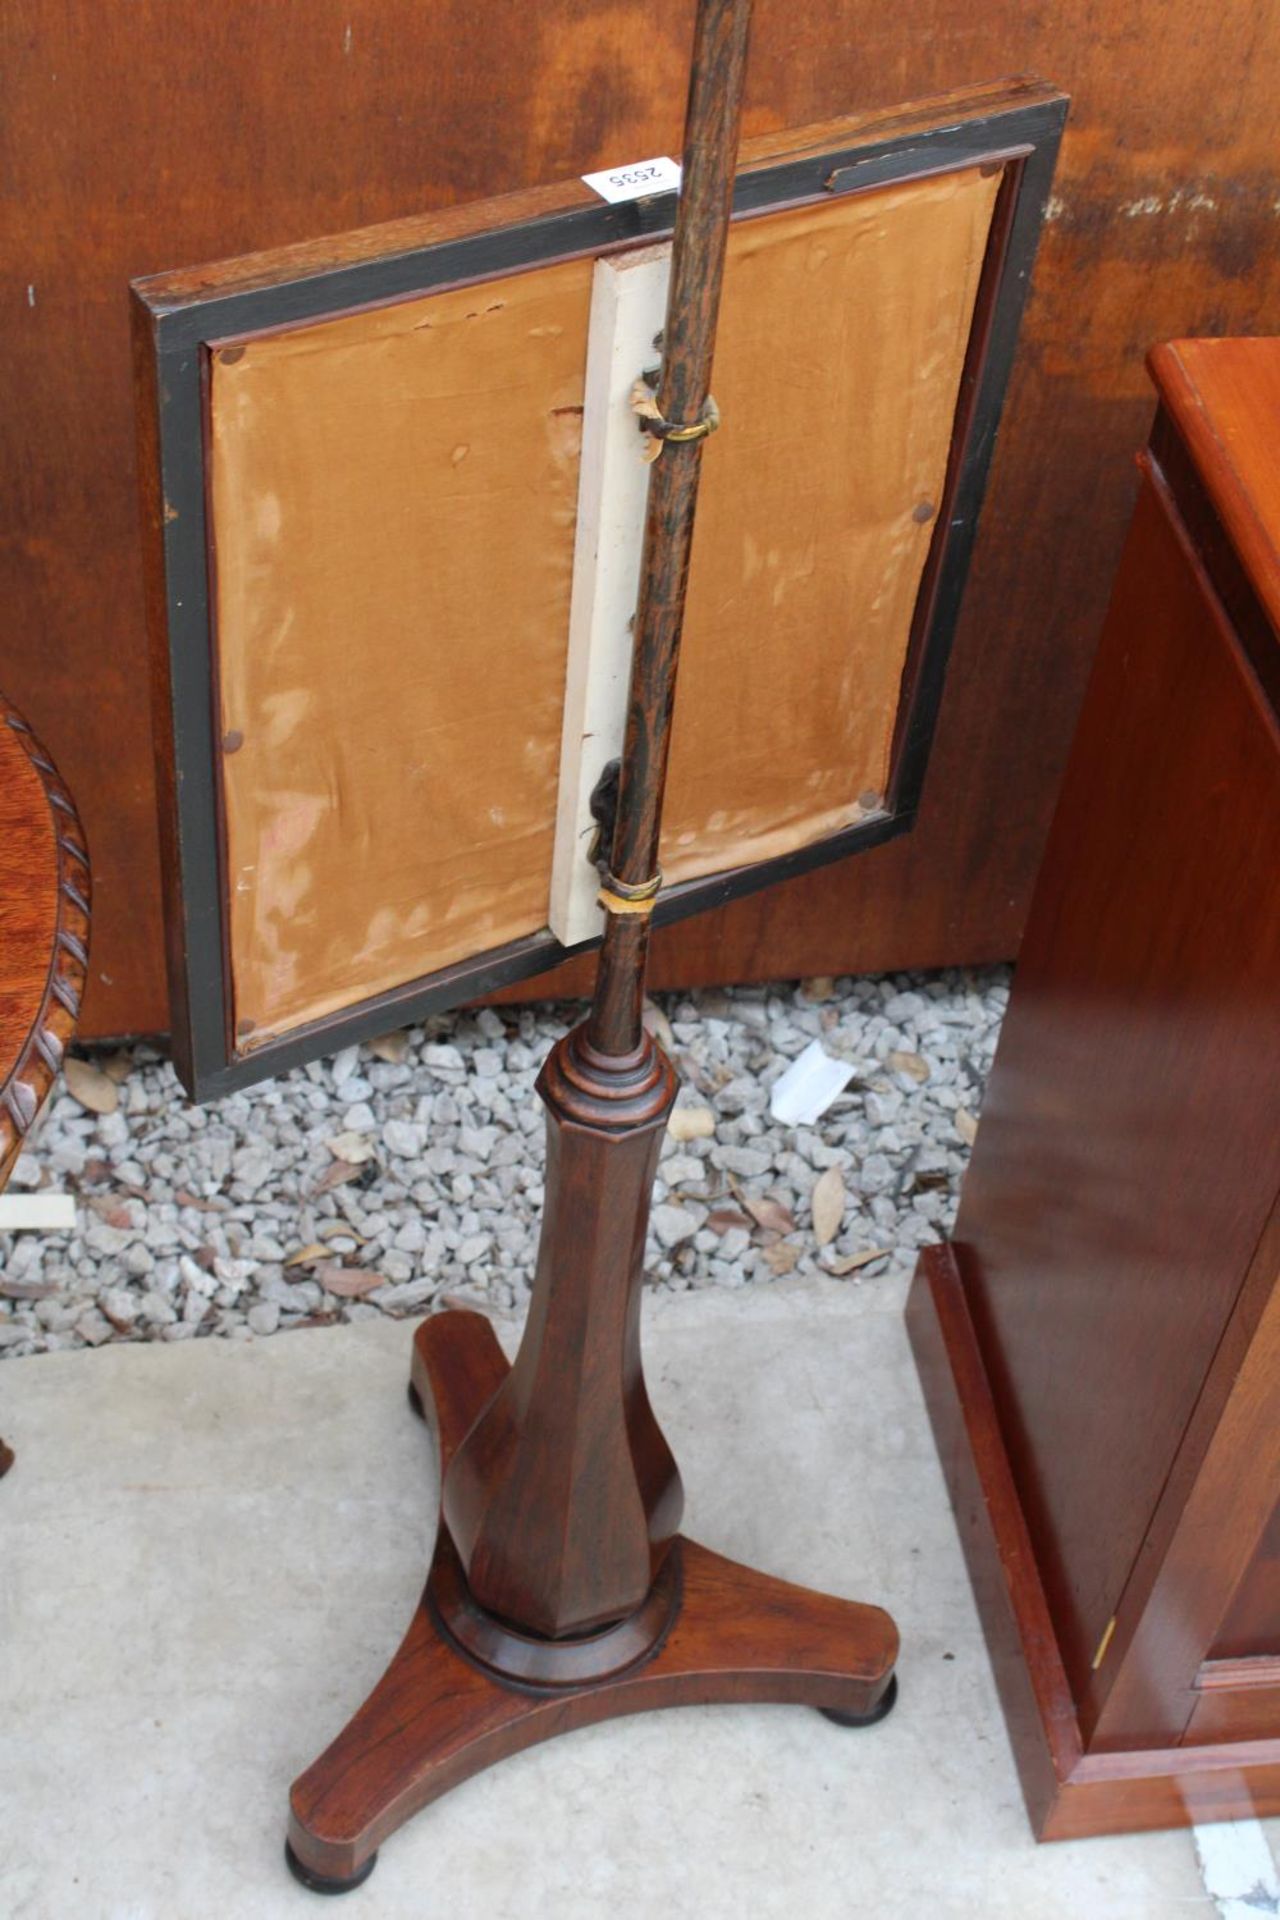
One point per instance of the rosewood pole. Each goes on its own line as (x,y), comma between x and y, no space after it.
(693,306)
(561,1591)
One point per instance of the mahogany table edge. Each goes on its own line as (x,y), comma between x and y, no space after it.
(29,1078)
(41,1035)
(1069,1794)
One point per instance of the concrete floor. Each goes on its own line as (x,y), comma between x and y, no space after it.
(210,1550)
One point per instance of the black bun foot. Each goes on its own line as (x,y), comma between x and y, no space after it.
(322,1882)
(881,1711)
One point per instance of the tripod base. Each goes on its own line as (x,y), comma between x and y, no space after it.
(442,1712)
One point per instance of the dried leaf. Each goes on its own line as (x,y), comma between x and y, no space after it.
(341,1230)
(821,987)
(909,1063)
(338,1174)
(350,1283)
(852,1261)
(354,1148)
(966,1126)
(930,1180)
(26,1289)
(769,1214)
(185,1198)
(307,1256)
(828,1203)
(112,1212)
(95,1172)
(782,1258)
(691,1123)
(657,1023)
(644,401)
(724,1219)
(118,1065)
(91,1087)
(391,1047)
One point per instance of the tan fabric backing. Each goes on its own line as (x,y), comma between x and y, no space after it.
(841,345)
(394,497)
(393,503)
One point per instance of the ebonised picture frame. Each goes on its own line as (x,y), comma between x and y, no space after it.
(1011,127)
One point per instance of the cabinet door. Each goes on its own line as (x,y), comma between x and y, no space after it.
(1251,1629)
(1238,1686)
(1129,1155)
(1199,1624)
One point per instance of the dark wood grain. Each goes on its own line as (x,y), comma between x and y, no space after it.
(1106,1326)
(176,133)
(437,1717)
(44,928)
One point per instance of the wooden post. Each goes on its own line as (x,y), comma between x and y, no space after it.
(693,306)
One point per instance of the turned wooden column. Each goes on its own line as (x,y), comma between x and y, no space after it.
(564,1498)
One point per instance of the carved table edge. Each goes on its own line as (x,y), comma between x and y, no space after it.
(35,1067)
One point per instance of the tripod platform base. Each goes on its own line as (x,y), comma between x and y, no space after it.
(439,1715)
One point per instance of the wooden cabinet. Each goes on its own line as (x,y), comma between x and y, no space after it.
(1100,1344)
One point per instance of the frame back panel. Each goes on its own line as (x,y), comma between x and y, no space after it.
(362,555)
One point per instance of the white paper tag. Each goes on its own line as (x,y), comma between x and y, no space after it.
(804,1092)
(635,182)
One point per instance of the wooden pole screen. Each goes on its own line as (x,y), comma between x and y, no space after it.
(364,466)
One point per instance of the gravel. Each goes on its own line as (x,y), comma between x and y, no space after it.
(373,1184)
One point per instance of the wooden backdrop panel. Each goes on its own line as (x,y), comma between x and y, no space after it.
(138,137)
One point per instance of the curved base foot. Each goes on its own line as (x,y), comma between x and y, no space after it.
(438,1716)
(325,1883)
(883,1708)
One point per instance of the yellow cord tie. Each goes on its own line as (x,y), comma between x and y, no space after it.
(616,896)
(644,403)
